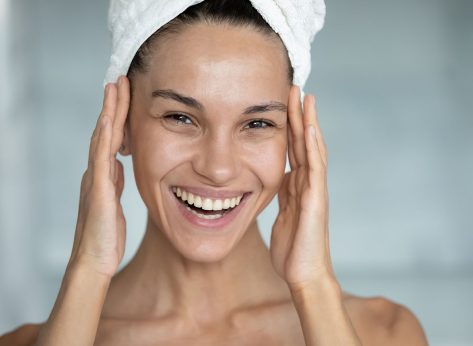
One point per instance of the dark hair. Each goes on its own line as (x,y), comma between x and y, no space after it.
(233,12)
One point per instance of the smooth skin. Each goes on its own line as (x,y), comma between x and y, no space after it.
(185,286)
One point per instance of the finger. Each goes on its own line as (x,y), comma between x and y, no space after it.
(83,191)
(313,154)
(310,110)
(290,150)
(296,124)
(120,179)
(282,195)
(93,144)
(108,109)
(95,134)
(102,160)
(123,104)
(320,138)
(317,176)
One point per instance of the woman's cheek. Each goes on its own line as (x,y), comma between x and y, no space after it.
(268,161)
(165,151)
(155,155)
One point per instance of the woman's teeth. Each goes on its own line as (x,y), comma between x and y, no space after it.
(206,203)
(203,216)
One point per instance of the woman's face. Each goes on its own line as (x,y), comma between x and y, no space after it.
(217,140)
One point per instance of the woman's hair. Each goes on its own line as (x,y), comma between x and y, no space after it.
(234,12)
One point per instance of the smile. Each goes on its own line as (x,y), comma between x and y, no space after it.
(206,203)
(208,211)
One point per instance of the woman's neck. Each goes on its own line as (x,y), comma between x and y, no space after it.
(160,282)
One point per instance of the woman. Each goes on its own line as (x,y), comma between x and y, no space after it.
(207,112)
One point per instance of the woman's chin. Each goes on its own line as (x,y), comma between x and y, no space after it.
(204,252)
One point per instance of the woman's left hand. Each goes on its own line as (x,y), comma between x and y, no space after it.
(299,240)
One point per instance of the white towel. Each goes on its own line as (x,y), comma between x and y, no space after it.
(131,22)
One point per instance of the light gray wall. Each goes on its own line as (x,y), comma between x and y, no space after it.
(393,80)
(395,83)
(18,194)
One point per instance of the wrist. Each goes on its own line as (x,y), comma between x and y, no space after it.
(321,288)
(82,262)
(322,313)
(81,270)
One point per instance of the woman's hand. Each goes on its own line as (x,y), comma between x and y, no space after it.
(299,240)
(99,241)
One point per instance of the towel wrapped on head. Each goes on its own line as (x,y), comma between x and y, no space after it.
(132,22)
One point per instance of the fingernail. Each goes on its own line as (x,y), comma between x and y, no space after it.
(120,80)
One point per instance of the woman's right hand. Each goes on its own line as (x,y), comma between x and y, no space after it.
(99,241)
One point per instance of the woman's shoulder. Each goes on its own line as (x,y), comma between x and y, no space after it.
(24,335)
(380,321)
(377,321)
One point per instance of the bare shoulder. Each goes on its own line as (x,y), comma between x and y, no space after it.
(380,321)
(24,335)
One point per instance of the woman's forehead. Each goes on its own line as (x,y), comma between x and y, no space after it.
(218,60)
(219,54)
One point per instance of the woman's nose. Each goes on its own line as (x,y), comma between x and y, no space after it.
(217,159)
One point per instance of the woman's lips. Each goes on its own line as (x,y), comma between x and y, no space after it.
(212,220)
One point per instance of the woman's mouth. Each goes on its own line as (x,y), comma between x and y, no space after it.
(216,211)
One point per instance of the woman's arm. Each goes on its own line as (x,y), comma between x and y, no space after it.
(75,317)
(323,316)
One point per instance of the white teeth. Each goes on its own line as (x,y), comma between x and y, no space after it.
(208,217)
(198,202)
(190,198)
(217,205)
(206,203)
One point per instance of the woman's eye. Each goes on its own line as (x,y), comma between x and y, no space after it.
(257,124)
(179,118)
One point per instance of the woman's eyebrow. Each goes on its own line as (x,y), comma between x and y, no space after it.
(193,103)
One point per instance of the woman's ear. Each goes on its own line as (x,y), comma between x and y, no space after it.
(125,146)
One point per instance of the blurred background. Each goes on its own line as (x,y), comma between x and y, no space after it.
(394,83)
